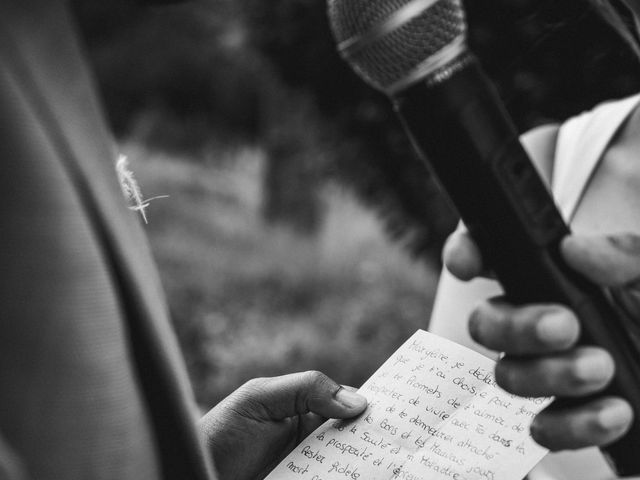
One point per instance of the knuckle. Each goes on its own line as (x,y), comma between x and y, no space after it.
(314,376)
(490,324)
(318,387)
(317,380)
(255,384)
(528,317)
(246,399)
(509,330)
(486,312)
(507,377)
(250,390)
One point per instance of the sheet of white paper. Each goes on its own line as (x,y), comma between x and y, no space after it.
(435,413)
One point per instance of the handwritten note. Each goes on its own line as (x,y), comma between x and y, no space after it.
(435,412)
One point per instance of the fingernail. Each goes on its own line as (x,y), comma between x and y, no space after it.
(616,416)
(597,368)
(350,399)
(557,329)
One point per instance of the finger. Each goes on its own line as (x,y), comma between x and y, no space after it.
(596,423)
(611,261)
(527,330)
(311,421)
(462,256)
(301,393)
(579,372)
(308,424)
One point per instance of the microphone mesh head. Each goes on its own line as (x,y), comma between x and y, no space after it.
(392,56)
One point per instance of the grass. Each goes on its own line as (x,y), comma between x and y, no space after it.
(248,299)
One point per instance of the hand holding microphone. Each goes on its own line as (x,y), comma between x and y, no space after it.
(540,341)
(415,51)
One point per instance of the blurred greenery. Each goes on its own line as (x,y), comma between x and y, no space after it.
(250,300)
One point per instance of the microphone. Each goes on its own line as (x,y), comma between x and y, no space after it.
(415,51)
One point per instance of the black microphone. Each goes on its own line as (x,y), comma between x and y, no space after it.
(415,51)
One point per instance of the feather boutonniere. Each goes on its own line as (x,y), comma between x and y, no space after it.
(131,189)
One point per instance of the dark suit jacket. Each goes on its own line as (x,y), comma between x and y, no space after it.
(92,384)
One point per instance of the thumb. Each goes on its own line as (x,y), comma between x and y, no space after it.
(461,255)
(301,393)
(609,261)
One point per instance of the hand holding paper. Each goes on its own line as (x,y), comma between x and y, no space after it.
(435,412)
(271,415)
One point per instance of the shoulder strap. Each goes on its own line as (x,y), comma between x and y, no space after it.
(582,140)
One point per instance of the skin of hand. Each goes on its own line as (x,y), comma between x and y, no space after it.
(541,357)
(255,427)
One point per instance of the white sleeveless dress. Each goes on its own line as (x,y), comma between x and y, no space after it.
(580,146)
(581,143)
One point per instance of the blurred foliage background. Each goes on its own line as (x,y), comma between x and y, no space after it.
(290,239)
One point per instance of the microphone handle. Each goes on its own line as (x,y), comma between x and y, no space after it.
(468,141)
